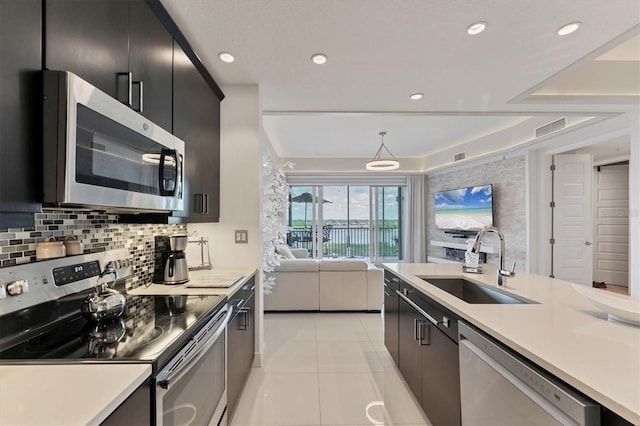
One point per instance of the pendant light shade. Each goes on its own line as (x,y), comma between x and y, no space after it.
(380,162)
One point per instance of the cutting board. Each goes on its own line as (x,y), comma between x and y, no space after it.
(213,280)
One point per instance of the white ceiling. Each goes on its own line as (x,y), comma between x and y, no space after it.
(516,73)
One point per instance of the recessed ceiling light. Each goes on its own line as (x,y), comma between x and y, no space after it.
(226,57)
(319,58)
(569,28)
(416,96)
(476,28)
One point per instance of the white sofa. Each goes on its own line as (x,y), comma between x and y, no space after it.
(304,284)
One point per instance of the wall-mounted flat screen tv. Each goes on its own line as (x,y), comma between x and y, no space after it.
(464,209)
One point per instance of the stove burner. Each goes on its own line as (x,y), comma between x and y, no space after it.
(50,343)
(102,338)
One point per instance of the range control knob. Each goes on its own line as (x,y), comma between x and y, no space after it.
(17,287)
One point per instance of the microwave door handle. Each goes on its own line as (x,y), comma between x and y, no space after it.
(163,155)
(180,181)
(166,378)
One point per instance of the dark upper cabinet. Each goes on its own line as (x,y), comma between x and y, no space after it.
(88,38)
(196,120)
(151,64)
(20,112)
(119,46)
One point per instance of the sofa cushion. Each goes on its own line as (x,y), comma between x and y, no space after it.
(297,265)
(284,251)
(343,265)
(300,253)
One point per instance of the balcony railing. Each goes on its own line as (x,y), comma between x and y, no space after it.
(348,242)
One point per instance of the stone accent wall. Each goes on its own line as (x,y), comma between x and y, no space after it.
(509,206)
(98,231)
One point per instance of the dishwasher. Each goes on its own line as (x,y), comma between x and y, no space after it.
(499,387)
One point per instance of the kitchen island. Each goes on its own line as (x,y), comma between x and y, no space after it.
(564,333)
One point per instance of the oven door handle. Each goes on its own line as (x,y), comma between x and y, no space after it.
(166,377)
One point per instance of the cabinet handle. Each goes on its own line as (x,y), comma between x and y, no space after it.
(421,334)
(246,315)
(416,334)
(199,203)
(124,90)
(140,97)
(432,320)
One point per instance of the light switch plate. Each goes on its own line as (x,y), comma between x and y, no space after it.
(242,236)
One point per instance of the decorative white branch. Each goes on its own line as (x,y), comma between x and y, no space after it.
(275,202)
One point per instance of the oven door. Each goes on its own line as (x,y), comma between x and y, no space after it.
(191,389)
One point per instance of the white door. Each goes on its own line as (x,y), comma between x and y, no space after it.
(611,245)
(573,218)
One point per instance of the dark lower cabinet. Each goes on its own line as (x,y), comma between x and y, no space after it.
(134,411)
(391,315)
(409,350)
(427,350)
(240,343)
(21,117)
(440,377)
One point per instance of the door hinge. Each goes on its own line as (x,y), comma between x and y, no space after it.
(552,167)
(552,204)
(552,240)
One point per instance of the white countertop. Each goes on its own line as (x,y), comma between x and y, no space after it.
(564,333)
(69,394)
(199,281)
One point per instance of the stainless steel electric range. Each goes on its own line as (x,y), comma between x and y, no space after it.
(183,338)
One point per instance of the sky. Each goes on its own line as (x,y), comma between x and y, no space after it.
(337,207)
(472,197)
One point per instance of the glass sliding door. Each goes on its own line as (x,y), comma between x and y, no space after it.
(305,219)
(300,218)
(345,224)
(346,221)
(385,231)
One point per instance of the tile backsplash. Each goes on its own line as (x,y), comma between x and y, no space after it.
(97,231)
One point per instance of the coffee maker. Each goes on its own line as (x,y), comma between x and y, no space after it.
(170,259)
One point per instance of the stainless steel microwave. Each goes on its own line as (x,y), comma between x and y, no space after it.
(99,153)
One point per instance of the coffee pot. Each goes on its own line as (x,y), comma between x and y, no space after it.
(174,268)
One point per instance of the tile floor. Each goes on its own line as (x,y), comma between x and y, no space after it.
(326,369)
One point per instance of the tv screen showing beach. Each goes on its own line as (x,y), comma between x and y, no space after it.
(465,209)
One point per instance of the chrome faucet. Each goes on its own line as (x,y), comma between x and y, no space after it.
(503,274)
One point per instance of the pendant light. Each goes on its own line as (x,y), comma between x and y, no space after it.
(380,163)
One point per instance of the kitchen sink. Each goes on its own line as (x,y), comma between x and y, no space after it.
(474,293)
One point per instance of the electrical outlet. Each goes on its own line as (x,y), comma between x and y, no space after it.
(242,236)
